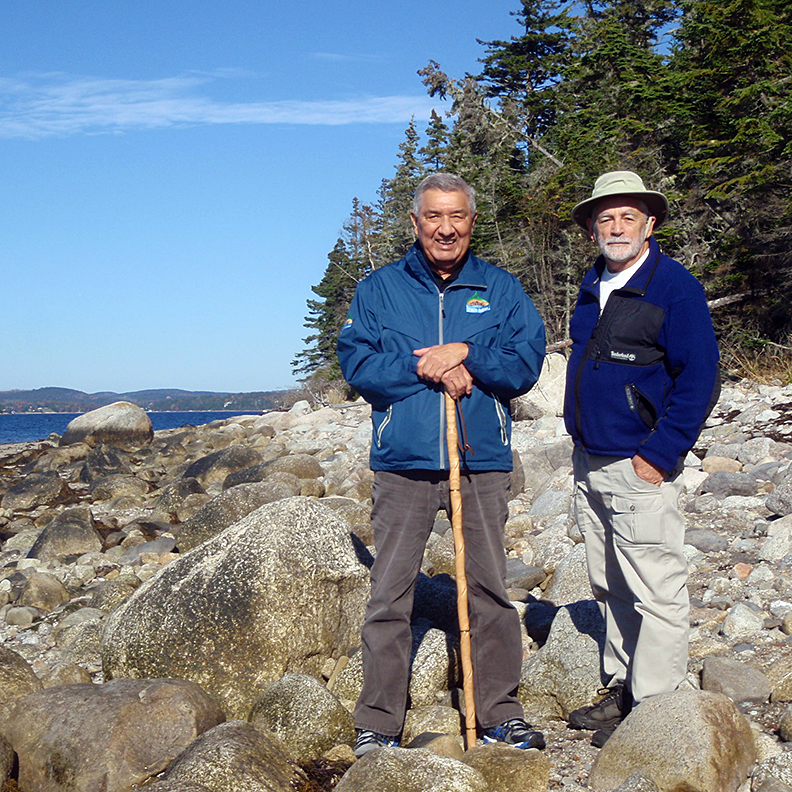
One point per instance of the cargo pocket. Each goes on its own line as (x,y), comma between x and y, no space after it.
(638,518)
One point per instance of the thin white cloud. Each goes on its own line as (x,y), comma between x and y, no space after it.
(36,106)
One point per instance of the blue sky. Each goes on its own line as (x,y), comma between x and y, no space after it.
(175,173)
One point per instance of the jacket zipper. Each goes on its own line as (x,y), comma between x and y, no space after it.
(385,422)
(502,421)
(440,317)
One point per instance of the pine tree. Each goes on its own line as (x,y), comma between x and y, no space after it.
(433,153)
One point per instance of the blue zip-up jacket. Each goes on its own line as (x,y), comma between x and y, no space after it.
(643,376)
(399,308)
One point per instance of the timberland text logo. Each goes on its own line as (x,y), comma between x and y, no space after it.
(622,355)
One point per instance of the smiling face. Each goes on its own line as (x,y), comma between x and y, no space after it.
(444,226)
(621,227)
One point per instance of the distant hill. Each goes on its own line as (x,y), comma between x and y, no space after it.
(161,400)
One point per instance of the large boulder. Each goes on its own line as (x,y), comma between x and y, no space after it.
(216,466)
(121,424)
(547,396)
(17,680)
(37,489)
(281,590)
(565,673)
(688,739)
(227,508)
(301,711)
(71,533)
(234,757)
(508,769)
(414,770)
(106,738)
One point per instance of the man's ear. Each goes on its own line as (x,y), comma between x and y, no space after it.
(473,222)
(590,226)
(414,223)
(650,224)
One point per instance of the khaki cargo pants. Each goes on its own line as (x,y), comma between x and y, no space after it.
(634,535)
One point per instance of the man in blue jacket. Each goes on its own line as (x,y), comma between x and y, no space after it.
(438,320)
(641,380)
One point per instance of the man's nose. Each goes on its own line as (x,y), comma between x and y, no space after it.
(446,226)
(617,227)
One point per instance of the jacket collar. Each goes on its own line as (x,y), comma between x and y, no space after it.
(639,282)
(471,274)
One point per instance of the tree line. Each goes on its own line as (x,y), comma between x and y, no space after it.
(694,95)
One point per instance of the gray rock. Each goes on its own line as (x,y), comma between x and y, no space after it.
(71,533)
(570,581)
(742,622)
(779,540)
(115,485)
(173,496)
(37,489)
(775,769)
(160,545)
(281,590)
(234,757)
(141,726)
(551,503)
(757,450)
(705,540)
(547,395)
(779,501)
(723,483)
(44,592)
(227,508)
(304,714)
(520,575)
(565,673)
(121,424)
(432,718)
(414,770)
(435,665)
(103,461)
(216,466)
(687,739)
(507,769)
(742,683)
(17,680)
(304,466)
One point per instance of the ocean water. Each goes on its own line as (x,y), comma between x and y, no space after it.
(27,427)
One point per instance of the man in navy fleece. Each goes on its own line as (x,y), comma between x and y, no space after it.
(641,380)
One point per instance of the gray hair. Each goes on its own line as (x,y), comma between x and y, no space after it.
(445,182)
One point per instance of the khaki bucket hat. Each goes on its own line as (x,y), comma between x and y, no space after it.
(622,183)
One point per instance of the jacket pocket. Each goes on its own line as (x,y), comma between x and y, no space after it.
(381,428)
(641,405)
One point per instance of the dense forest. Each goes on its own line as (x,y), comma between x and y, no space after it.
(694,95)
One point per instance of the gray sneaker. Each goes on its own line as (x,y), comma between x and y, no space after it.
(368,740)
(607,713)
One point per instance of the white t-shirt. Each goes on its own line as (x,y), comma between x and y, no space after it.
(611,281)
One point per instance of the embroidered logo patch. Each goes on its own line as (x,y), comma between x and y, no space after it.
(347,323)
(477,304)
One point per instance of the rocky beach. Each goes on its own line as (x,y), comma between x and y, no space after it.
(180,612)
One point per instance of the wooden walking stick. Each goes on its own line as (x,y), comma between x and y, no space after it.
(459,567)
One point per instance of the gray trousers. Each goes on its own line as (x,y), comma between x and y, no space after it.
(634,535)
(405,506)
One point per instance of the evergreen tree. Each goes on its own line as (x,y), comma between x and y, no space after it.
(433,154)
(396,196)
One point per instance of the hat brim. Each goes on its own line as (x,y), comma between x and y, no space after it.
(656,203)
